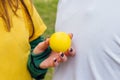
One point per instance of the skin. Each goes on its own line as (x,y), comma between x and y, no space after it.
(55,58)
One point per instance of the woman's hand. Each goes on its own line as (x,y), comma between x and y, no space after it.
(54,58)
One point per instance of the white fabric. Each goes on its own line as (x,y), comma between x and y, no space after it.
(95,25)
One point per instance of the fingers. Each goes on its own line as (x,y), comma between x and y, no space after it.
(41,46)
(62,57)
(53,60)
(70,35)
(70,52)
(49,62)
(56,58)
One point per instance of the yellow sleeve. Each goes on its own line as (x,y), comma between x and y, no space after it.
(39,26)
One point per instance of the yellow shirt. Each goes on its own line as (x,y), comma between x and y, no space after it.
(14,45)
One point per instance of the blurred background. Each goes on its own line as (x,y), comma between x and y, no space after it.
(47,10)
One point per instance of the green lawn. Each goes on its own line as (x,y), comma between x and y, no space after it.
(47,10)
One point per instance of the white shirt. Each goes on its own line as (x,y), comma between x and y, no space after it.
(95,25)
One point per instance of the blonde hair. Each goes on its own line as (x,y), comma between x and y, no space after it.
(13,4)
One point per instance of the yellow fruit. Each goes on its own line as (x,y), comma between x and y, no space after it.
(60,42)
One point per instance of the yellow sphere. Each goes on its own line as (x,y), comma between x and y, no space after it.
(60,42)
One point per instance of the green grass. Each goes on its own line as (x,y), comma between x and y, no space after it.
(47,10)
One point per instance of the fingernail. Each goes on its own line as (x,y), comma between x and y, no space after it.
(62,54)
(55,59)
(71,49)
(72,34)
(46,38)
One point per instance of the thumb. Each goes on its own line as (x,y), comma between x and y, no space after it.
(41,46)
(70,35)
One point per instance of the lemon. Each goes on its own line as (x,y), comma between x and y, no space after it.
(60,42)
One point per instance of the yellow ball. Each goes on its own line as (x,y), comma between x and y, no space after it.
(60,42)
